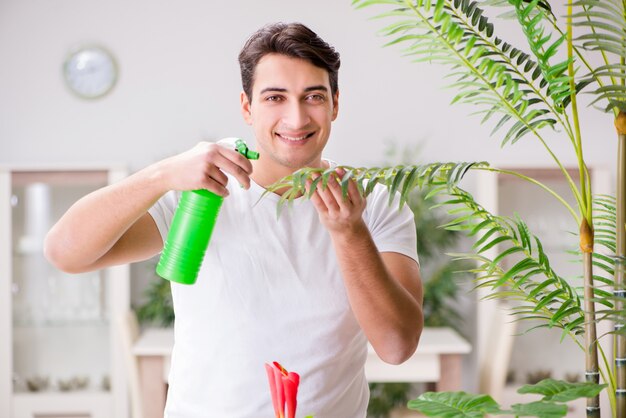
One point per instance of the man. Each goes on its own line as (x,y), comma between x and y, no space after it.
(308,289)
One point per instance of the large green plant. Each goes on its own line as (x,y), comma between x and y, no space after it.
(157,308)
(525,90)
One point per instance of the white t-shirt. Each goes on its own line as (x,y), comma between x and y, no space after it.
(270,289)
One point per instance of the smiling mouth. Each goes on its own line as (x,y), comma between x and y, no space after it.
(295,138)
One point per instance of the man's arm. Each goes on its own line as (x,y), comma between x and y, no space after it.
(384,289)
(111,225)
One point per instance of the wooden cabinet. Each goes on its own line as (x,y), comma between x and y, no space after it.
(59,351)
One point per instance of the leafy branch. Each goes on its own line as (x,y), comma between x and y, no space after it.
(551,299)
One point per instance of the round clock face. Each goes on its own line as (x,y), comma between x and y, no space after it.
(90,72)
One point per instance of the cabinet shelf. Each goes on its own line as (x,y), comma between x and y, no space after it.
(57,393)
(61,323)
(78,405)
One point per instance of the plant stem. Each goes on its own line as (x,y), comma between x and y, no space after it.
(586,239)
(622,59)
(592,373)
(585,210)
(584,60)
(537,183)
(620,260)
(609,378)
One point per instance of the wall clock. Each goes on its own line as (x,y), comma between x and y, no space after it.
(90,72)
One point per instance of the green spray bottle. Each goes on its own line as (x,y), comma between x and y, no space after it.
(190,233)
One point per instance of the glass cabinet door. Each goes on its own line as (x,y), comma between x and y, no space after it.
(61,342)
(60,323)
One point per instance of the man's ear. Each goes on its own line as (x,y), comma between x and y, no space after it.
(245,108)
(335,105)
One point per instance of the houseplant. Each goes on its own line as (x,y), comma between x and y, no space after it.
(527,92)
(157,308)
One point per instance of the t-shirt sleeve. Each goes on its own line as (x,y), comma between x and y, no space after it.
(392,227)
(163,211)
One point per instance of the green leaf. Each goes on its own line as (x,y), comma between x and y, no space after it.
(542,286)
(561,391)
(522,265)
(549,299)
(540,409)
(506,253)
(531,18)
(573,326)
(408,184)
(397,181)
(314,184)
(454,405)
(493,242)
(522,280)
(575,310)
(345,181)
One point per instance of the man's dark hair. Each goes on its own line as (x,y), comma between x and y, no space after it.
(293,40)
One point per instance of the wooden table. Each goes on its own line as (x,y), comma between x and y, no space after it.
(437,360)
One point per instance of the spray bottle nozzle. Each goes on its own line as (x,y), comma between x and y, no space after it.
(243,149)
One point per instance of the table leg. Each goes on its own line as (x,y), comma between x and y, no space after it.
(153,388)
(450,376)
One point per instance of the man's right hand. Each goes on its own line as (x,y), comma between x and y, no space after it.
(112,226)
(203,167)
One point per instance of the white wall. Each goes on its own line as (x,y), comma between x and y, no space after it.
(179,83)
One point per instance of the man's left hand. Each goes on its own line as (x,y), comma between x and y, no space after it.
(338,213)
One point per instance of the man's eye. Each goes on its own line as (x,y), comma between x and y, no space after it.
(315,98)
(273,98)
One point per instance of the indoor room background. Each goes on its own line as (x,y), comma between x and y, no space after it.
(179,84)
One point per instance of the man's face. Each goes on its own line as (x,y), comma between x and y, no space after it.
(291,113)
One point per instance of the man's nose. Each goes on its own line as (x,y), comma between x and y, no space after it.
(296,116)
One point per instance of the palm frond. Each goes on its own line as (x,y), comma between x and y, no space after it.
(531,16)
(401,179)
(541,293)
(512,14)
(607,22)
(531,279)
(488,72)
